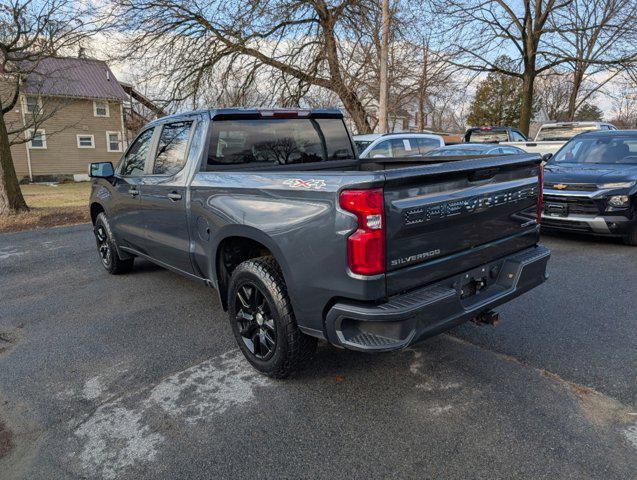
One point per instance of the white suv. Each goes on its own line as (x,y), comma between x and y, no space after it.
(402,145)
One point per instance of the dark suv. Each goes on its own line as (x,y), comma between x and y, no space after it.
(590,185)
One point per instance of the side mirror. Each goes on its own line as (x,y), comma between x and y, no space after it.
(546,157)
(101,170)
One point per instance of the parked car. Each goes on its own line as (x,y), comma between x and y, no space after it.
(590,186)
(364,141)
(397,145)
(552,136)
(304,241)
(494,134)
(473,149)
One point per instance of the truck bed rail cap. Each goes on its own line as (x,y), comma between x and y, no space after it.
(409,173)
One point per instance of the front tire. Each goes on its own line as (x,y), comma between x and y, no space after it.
(107,249)
(263,321)
(631,237)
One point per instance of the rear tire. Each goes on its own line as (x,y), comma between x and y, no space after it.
(107,248)
(631,237)
(263,321)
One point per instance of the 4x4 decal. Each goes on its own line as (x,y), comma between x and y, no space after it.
(309,184)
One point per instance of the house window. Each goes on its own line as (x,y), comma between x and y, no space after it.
(37,139)
(33,104)
(85,141)
(100,109)
(113,141)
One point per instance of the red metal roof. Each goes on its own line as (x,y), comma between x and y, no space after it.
(74,77)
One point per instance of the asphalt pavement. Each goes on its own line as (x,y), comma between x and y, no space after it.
(138,377)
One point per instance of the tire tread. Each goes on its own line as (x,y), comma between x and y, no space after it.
(118,266)
(301,347)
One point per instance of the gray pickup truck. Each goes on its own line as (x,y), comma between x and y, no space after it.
(304,241)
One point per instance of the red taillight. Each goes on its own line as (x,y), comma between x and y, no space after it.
(539,198)
(366,246)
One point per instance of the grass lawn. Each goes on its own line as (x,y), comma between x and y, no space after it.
(51,205)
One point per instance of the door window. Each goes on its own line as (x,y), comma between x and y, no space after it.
(403,147)
(171,150)
(509,150)
(135,158)
(380,151)
(427,144)
(517,136)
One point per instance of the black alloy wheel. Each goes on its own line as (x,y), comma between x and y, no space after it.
(263,321)
(103,246)
(256,324)
(107,248)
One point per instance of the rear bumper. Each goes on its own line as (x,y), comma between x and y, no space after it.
(416,315)
(611,225)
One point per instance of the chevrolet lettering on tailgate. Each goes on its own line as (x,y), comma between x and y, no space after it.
(467,205)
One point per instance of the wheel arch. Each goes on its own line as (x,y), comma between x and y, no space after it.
(96,208)
(237,245)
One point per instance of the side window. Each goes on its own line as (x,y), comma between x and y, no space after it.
(134,160)
(427,144)
(517,136)
(403,147)
(381,150)
(171,150)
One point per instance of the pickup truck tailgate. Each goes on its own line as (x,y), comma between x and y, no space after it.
(447,218)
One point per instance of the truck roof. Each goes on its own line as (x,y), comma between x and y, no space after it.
(254,112)
(497,128)
(573,124)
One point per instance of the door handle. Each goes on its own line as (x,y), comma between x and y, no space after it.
(174,196)
(133,191)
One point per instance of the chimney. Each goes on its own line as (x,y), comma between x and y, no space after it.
(81,53)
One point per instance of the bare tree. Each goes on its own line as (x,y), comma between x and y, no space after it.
(384,64)
(437,77)
(450,109)
(624,105)
(305,40)
(419,66)
(484,29)
(553,89)
(624,113)
(596,38)
(29,32)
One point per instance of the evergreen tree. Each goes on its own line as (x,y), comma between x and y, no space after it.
(589,112)
(498,101)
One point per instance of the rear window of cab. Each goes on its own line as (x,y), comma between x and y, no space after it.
(281,141)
